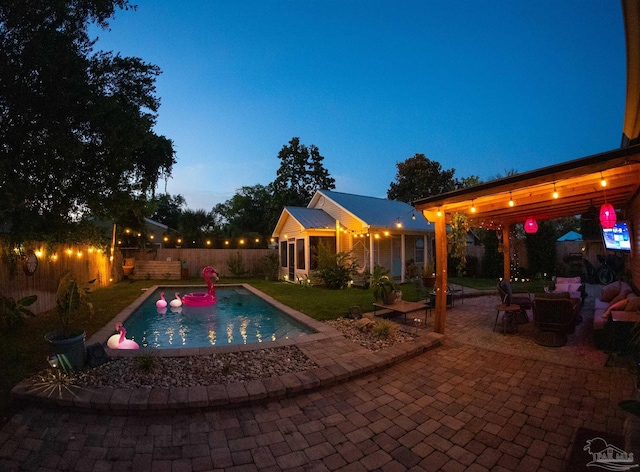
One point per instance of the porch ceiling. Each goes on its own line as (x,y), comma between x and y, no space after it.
(577,182)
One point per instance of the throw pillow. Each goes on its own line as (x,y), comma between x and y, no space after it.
(562,287)
(618,306)
(568,280)
(633,303)
(575,287)
(621,296)
(609,292)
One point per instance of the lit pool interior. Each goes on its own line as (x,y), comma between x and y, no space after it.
(238,317)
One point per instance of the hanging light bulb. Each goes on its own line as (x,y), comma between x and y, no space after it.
(555,192)
(473,207)
(511,203)
(530,226)
(603,181)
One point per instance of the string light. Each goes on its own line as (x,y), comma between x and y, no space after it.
(603,181)
(473,207)
(511,200)
(555,192)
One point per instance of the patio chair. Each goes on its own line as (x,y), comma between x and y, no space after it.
(521,298)
(555,317)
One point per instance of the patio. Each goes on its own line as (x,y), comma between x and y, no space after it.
(481,401)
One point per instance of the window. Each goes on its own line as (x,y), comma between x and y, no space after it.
(283,254)
(314,242)
(300,254)
(419,250)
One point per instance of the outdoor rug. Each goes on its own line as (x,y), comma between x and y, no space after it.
(597,451)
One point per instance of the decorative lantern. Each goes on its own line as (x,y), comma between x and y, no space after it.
(530,226)
(607,216)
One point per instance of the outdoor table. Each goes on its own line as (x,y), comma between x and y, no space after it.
(401,307)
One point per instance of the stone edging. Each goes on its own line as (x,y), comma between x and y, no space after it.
(338,361)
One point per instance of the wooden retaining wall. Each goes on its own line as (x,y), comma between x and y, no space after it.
(167,270)
(194,260)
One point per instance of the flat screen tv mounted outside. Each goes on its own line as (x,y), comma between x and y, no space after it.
(617,238)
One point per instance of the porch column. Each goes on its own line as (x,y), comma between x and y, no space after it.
(370,250)
(506,251)
(338,236)
(441,270)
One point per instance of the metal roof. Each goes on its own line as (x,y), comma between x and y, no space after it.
(379,212)
(311,218)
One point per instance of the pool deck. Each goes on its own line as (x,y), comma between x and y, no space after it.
(337,360)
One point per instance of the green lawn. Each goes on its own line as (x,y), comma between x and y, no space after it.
(24,350)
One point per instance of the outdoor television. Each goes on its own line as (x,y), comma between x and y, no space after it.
(617,238)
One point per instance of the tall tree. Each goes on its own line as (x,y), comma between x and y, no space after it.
(76,125)
(168,210)
(419,177)
(301,173)
(247,211)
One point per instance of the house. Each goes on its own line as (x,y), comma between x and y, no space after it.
(376,230)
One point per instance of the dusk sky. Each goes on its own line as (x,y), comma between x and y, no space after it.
(478,86)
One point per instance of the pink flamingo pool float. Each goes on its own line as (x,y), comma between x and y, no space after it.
(119,341)
(203,298)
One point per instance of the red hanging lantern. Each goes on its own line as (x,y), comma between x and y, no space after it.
(530,226)
(607,216)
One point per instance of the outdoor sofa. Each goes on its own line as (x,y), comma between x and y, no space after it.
(616,297)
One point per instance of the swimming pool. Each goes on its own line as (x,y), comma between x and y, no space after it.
(239,317)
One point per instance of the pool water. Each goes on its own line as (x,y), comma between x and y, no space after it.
(238,317)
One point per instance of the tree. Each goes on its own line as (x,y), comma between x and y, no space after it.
(419,177)
(301,173)
(194,224)
(168,209)
(76,125)
(247,211)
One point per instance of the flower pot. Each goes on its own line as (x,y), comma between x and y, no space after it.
(429,281)
(72,347)
(389,298)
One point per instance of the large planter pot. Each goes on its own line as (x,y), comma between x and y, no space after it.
(389,298)
(72,347)
(429,281)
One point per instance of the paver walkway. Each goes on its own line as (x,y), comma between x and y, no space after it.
(457,407)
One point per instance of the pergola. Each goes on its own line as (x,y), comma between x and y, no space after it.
(501,203)
(578,183)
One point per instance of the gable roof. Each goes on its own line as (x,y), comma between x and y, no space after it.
(376,212)
(307,218)
(312,218)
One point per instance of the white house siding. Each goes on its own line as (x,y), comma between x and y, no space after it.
(345,218)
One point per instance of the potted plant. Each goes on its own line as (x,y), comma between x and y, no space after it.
(68,339)
(429,274)
(384,289)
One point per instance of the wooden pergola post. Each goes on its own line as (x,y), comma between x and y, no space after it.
(506,251)
(441,270)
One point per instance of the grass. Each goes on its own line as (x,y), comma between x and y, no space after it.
(25,352)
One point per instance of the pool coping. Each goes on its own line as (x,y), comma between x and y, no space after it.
(337,359)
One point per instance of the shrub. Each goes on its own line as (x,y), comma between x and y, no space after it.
(335,270)
(270,266)
(384,329)
(14,312)
(236,265)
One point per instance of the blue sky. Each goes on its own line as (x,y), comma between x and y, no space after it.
(478,86)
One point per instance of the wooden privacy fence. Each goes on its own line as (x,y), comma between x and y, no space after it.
(86,262)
